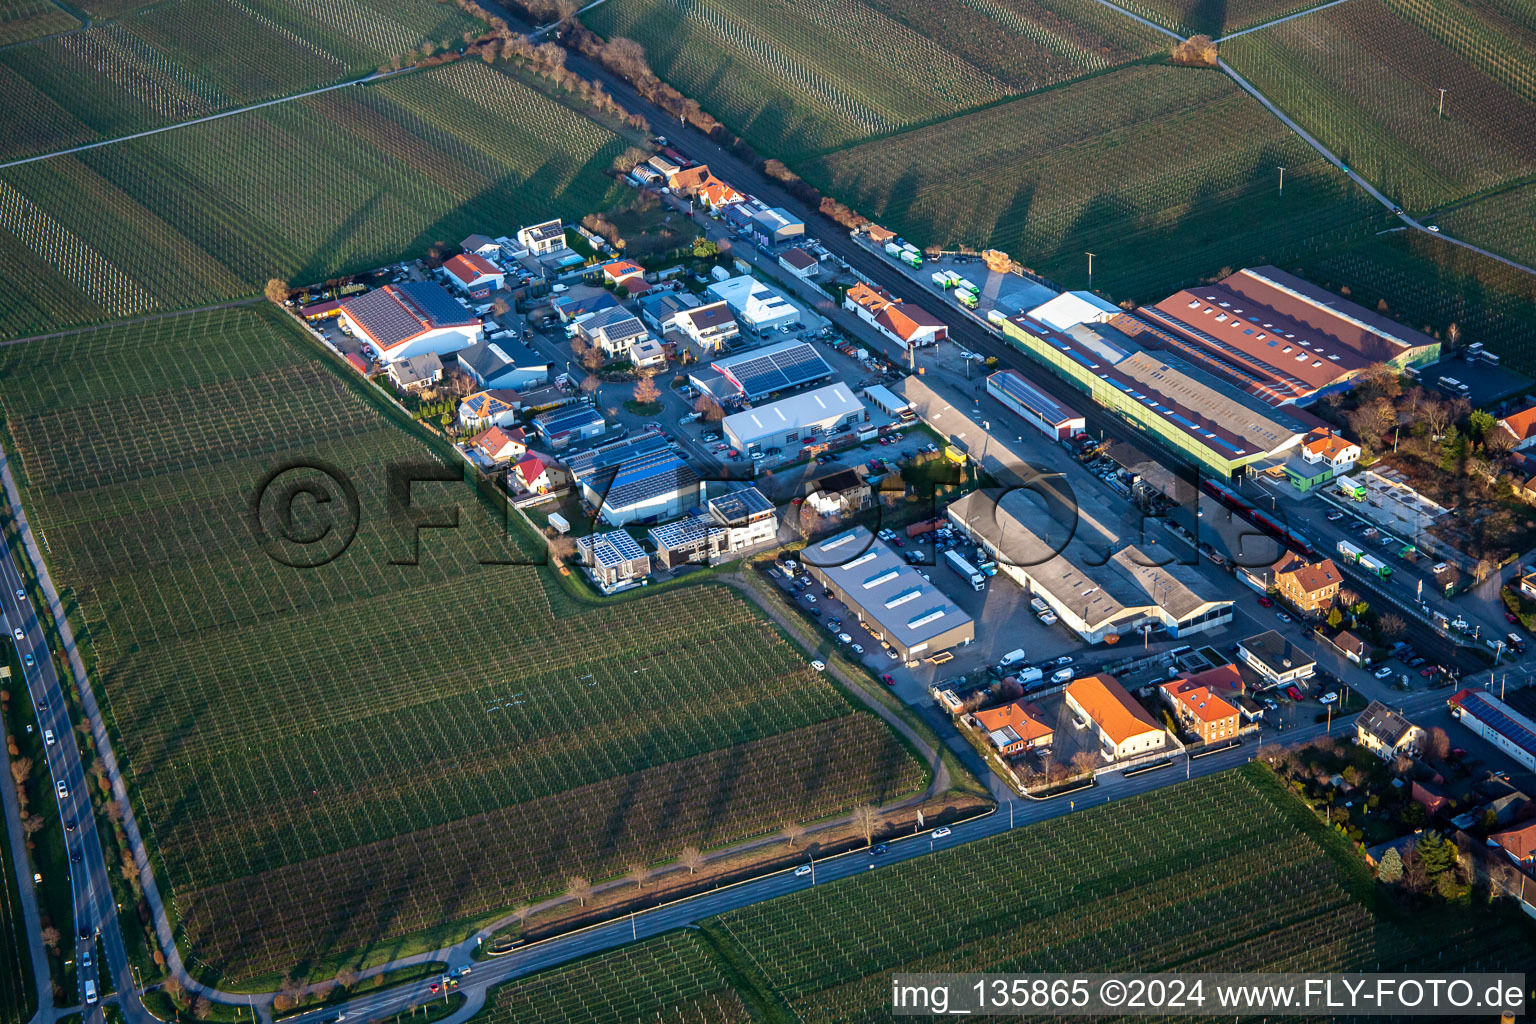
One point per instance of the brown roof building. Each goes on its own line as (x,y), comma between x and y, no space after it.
(1309,586)
(1201,710)
(1519,843)
(1125,728)
(1014,728)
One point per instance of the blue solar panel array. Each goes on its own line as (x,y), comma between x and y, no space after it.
(1497,720)
(433,303)
(777,369)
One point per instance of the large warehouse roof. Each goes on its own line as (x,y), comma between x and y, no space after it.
(793,413)
(889,592)
(753,301)
(774,368)
(398,312)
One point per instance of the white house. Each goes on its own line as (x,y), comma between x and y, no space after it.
(410,319)
(711,328)
(480,245)
(615,331)
(1124,727)
(542,238)
(1324,447)
(474,275)
(800,263)
(757,306)
(905,324)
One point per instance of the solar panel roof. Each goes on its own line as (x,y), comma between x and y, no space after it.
(776,368)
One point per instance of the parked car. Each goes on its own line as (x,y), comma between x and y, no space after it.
(1265,602)
(888,679)
(1383,672)
(1416,661)
(1335,516)
(1293,693)
(845,638)
(858,648)
(810,598)
(1065,659)
(1328,698)
(819,665)
(1282,616)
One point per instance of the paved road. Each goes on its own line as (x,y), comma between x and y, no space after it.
(1278,21)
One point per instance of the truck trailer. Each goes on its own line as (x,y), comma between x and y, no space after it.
(1349,551)
(1375,565)
(965,570)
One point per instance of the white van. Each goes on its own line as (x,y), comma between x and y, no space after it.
(1011,658)
(90,992)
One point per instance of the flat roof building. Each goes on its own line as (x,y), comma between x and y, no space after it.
(614,560)
(1498,723)
(777,226)
(793,421)
(563,427)
(1277,661)
(636,480)
(729,524)
(782,367)
(759,307)
(1034,406)
(903,609)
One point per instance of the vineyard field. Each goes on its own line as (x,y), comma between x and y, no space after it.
(796,78)
(674,978)
(334,183)
(329,758)
(1365,79)
(181,59)
(1504,223)
(1223,873)
(1213,17)
(21,20)
(1429,283)
(1121,165)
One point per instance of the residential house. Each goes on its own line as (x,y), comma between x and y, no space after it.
(1124,727)
(625,274)
(1324,447)
(563,427)
(572,308)
(1519,844)
(1429,796)
(413,373)
(539,239)
(716,194)
(613,331)
(402,320)
(648,353)
(497,444)
(483,409)
(1277,661)
(1521,427)
(898,321)
(1310,587)
(730,524)
(1386,733)
(840,493)
(504,364)
(473,275)
(1353,648)
(710,328)
(1206,706)
(613,559)
(480,245)
(688,180)
(1014,728)
(538,474)
(800,263)
(660,310)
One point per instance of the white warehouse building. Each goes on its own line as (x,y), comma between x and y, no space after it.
(791,421)
(759,308)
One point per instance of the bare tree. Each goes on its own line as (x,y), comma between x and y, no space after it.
(32,824)
(51,937)
(202,1009)
(291,987)
(590,384)
(1436,416)
(1437,744)
(562,547)
(21,767)
(691,858)
(1498,443)
(792,832)
(867,819)
(1402,764)
(579,889)
(709,409)
(346,977)
(521,913)
(1084,761)
(500,307)
(1392,626)
(592,358)
(646,391)
(639,874)
(277,291)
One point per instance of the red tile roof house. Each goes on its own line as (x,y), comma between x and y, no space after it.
(474,275)
(1014,728)
(630,275)
(1521,426)
(1519,844)
(906,324)
(538,474)
(500,445)
(1201,709)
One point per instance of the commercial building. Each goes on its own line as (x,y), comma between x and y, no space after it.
(1386,733)
(773,368)
(800,263)
(638,479)
(1309,587)
(504,364)
(563,427)
(1275,336)
(711,329)
(900,607)
(1070,309)
(660,310)
(905,324)
(1098,585)
(613,559)
(729,524)
(1277,661)
(799,419)
(888,402)
(1498,723)
(1034,406)
(759,308)
(1124,727)
(1202,421)
(776,226)
(402,320)
(474,275)
(1014,728)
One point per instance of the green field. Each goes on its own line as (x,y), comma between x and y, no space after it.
(1220,874)
(328,758)
(1365,78)
(1213,17)
(21,20)
(674,979)
(1504,223)
(180,59)
(795,77)
(1120,165)
(335,183)
(1429,283)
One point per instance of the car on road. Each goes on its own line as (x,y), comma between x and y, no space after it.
(1293,693)
(877,851)
(1282,616)
(845,638)
(1511,618)
(69,824)
(1335,516)
(1265,602)
(940,833)
(1429,670)
(74,858)
(19,634)
(1328,698)
(802,870)
(1383,672)
(85,959)
(888,679)
(21,595)
(47,737)
(819,665)
(858,648)
(31,661)
(62,789)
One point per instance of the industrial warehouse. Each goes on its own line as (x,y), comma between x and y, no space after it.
(805,417)
(897,605)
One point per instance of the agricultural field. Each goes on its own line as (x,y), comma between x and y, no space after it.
(1431,284)
(1240,885)
(1365,79)
(796,77)
(21,20)
(1121,165)
(329,758)
(1213,17)
(674,978)
(1504,223)
(181,59)
(330,184)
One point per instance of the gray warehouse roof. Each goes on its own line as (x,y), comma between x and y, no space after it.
(796,412)
(889,592)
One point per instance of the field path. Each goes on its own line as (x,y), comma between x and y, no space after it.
(1280,20)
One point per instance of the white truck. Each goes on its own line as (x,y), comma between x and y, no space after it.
(965,570)
(1376,566)
(892,249)
(1349,551)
